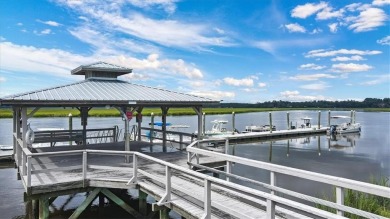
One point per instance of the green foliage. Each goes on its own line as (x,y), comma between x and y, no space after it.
(366,202)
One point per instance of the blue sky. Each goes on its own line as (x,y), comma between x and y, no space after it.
(235,51)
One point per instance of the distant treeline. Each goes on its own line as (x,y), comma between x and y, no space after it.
(366,103)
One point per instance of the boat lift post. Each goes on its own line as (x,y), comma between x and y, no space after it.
(319,119)
(351,116)
(288,121)
(152,127)
(233,122)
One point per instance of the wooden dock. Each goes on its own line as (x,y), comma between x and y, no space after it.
(56,170)
(279,134)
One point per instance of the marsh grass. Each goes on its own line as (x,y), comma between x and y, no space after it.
(366,202)
(102,112)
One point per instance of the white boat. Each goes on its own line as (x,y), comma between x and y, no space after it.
(306,124)
(256,128)
(6,147)
(157,136)
(345,127)
(219,128)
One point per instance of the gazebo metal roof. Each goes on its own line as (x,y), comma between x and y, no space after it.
(104,91)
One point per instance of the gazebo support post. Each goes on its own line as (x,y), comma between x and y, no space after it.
(84,118)
(198,111)
(164,111)
(139,111)
(24,131)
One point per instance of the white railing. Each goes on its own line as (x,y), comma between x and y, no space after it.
(25,168)
(197,148)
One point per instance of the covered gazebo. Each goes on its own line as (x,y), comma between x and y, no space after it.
(101,88)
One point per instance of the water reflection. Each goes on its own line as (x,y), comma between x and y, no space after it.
(342,141)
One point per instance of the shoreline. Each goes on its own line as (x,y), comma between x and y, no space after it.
(101,112)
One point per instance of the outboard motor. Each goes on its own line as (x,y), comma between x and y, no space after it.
(332,129)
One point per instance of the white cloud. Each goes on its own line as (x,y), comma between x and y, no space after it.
(261,84)
(316,30)
(311,77)
(247,82)
(368,20)
(272,46)
(328,13)
(311,66)
(136,77)
(153,63)
(50,23)
(295,28)
(304,11)
(316,86)
(19,24)
(46,31)
(379,79)
(104,46)
(295,96)
(29,59)
(325,53)
(166,32)
(218,30)
(42,32)
(216,95)
(59,62)
(384,40)
(333,27)
(353,7)
(2,79)
(168,5)
(344,58)
(381,2)
(350,67)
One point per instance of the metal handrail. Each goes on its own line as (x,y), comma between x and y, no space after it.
(272,199)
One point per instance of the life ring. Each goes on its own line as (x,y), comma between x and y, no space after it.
(30,136)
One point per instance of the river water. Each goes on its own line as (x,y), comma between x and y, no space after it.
(354,156)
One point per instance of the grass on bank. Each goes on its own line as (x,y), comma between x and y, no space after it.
(102,112)
(366,202)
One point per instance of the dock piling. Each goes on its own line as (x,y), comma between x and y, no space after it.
(288,121)
(152,127)
(270,122)
(233,122)
(319,119)
(329,118)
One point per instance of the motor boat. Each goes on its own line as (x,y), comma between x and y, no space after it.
(219,128)
(306,124)
(255,128)
(345,127)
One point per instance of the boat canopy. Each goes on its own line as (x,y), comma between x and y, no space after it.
(161,123)
(306,118)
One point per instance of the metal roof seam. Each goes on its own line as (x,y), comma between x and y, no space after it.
(99,91)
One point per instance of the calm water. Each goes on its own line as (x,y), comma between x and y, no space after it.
(356,157)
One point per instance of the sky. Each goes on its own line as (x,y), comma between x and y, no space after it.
(236,51)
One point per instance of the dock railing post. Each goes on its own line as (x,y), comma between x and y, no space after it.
(270,203)
(228,163)
(207,200)
(319,119)
(340,199)
(270,122)
(85,168)
(135,170)
(28,171)
(167,196)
